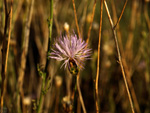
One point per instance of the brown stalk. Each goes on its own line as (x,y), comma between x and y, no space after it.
(117,27)
(121,13)
(119,56)
(21,70)
(92,18)
(78,106)
(98,60)
(128,73)
(78,86)
(5,51)
(80,94)
(76,20)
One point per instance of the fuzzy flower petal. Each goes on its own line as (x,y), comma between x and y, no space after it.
(70,49)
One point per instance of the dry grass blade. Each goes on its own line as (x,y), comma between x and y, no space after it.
(119,56)
(5,51)
(98,60)
(78,86)
(76,20)
(24,53)
(121,13)
(80,94)
(126,67)
(89,31)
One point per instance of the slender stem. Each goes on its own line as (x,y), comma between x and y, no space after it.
(47,63)
(83,18)
(5,51)
(92,18)
(119,56)
(115,18)
(51,24)
(76,20)
(98,60)
(124,61)
(42,94)
(121,14)
(49,82)
(75,97)
(25,45)
(80,94)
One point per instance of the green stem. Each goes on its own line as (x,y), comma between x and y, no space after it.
(50,24)
(42,94)
(43,91)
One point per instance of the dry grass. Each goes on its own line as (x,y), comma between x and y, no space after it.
(24,34)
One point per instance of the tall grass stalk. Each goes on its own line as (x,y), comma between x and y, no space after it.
(128,71)
(76,20)
(5,50)
(24,48)
(91,23)
(80,94)
(121,14)
(119,56)
(98,60)
(77,88)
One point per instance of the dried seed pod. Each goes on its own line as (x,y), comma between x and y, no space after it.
(67,104)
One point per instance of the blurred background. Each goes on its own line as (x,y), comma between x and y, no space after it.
(133,34)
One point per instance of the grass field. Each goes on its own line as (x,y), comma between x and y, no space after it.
(106,69)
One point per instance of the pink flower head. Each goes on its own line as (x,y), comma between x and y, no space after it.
(70,49)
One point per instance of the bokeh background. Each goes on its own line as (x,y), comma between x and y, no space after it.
(133,33)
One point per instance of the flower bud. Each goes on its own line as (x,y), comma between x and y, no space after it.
(66,27)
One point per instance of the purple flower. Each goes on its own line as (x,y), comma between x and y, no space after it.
(71,50)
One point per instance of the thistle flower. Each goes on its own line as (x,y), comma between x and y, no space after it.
(72,51)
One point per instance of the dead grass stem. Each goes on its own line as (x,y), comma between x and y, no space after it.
(98,59)
(119,56)
(76,20)
(5,50)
